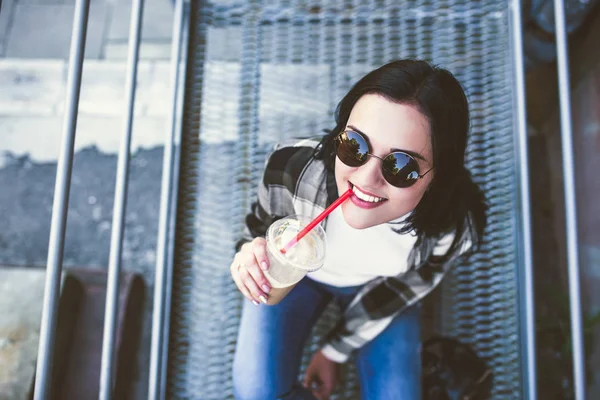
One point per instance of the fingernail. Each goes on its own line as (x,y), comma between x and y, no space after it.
(264,265)
(266,289)
(263,299)
(256,303)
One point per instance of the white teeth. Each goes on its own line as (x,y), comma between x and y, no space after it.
(366,197)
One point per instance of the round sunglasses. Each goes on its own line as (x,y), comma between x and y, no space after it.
(399,169)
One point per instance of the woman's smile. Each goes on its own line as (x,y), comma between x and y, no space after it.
(365,199)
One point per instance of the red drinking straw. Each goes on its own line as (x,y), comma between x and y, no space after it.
(316,221)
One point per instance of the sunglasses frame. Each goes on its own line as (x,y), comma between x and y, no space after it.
(411,179)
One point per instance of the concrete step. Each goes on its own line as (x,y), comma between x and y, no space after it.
(38,87)
(21,300)
(43,28)
(82,372)
(78,345)
(32,102)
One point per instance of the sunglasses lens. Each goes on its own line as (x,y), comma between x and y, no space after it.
(400,170)
(352,149)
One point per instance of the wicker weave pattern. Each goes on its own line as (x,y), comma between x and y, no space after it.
(260,71)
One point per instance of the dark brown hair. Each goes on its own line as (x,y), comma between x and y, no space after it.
(452,195)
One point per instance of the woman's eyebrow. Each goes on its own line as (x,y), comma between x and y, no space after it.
(409,152)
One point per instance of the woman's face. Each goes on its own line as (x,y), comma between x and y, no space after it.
(387,126)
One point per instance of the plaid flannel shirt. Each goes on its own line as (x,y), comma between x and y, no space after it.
(294,182)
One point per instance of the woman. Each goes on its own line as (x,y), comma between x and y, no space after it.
(399,144)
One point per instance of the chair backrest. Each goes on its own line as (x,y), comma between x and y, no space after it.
(261,71)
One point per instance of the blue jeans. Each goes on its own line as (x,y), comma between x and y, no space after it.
(271,340)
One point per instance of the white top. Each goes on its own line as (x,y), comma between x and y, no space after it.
(355,256)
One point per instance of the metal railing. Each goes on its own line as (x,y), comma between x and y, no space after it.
(164,254)
(43,380)
(43,374)
(570,205)
(522,158)
(116,242)
(164,261)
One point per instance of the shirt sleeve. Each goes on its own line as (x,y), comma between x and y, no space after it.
(382,299)
(258,220)
(260,217)
(275,191)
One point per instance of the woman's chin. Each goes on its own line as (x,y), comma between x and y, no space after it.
(357,221)
(359,225)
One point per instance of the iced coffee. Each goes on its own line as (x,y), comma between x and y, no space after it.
(286,270)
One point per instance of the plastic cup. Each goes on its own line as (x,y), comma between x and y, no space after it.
(286,270)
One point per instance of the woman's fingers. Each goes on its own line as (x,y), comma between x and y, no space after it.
(317,388)
(235,267)
(321,376)
(254,281)
(260,253)
(248,275)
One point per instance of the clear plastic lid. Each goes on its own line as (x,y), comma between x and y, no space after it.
(308,254)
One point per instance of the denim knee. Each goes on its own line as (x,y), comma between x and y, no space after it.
(249,386)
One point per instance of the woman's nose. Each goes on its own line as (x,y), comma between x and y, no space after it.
(370,172)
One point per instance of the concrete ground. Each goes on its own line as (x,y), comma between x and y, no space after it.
(35,37)
(34,45)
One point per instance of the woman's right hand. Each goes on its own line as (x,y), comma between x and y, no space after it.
(246,270)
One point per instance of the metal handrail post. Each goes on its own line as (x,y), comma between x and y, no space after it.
(116,242)
(64,167)
(162,253)
(526,272)
(173,217)
(570,202)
